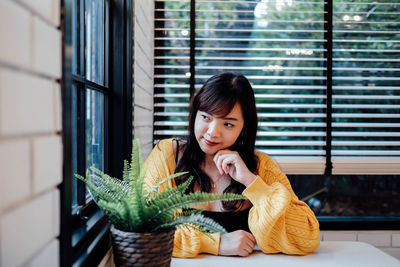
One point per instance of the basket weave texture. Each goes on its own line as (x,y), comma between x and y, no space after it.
(142,249)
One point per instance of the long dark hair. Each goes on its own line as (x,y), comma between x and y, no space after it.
(218,96)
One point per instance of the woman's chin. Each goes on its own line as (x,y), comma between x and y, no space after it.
(208,150)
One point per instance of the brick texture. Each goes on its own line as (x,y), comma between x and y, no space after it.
(24,233)
(57,107)
(48,10)
(46,58)
(26,104)
(47,162)
(48,256)
(339,236)
(30,125)
(15,35)
(14,172)
(376,239)
(396,240)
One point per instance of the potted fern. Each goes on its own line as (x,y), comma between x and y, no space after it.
(144,219)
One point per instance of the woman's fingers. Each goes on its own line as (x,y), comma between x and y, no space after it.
(253,239)
(218,162)
(230,162)
(246,251)
(226,163)
(237,243)
(249,244)
(224,160)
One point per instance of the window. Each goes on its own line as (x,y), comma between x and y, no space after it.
(97,112)
(327,87)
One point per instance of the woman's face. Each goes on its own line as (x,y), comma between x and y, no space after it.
(215,133)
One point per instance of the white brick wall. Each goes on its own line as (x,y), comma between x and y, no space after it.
(48,10)
(15,183)
(57,107)
(377,239)
(396,240)
(47,162)
(143,74)
(30,132)
(387,241)
(46,58)
(26,104)
(26,230)
(13,46)
(339,236)
(47,257)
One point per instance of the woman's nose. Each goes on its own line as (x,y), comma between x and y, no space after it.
(213,129)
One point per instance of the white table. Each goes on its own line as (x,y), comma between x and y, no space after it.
(330,253)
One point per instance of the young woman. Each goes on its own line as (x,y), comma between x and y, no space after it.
(219,153)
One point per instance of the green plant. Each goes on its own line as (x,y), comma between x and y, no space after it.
(131,207)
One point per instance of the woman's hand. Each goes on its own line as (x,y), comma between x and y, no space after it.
(230,162)
(237,243)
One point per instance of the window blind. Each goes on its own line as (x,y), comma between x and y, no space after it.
(280,46)
(366,88)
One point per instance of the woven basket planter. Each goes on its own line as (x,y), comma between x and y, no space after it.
(142,249)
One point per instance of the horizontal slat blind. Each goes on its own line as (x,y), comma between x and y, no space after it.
(280,47)
(366,87)
(277,45)
(172,47)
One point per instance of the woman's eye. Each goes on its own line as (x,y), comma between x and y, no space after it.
(204,117)
(227,124)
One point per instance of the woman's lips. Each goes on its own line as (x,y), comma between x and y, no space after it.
(209,143)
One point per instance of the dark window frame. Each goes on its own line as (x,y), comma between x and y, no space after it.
(86,223)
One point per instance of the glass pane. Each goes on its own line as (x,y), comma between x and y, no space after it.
(366,80)
(75,38)
(74,146)
(94,129)
(94,41)
(357,195)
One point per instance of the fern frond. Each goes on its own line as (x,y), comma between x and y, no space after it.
(170,192)
(117,187)
(115,212)
(198,221)
(185,185)
(134,221)
(186,201)
(156,188)
(99,192)
(136,199)
(151,222)
(188,212)
(136,182)
(126,171)
(136,160)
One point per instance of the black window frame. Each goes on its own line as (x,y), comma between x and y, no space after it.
(86,222)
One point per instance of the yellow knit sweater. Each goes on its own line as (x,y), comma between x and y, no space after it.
(279,221)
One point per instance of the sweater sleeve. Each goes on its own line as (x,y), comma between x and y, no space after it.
(279,221)
(188,242)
